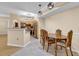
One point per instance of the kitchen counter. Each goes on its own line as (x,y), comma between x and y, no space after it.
(18,37)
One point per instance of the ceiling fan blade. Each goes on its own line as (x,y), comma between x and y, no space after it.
(57,4)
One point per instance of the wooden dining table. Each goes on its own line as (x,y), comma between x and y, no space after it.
(53,36)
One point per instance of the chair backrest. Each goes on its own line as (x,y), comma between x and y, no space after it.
(44,34)
(41,33)
(58,33)
(69,38)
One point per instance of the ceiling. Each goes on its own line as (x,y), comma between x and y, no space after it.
(21,8)
(31,8)
(60,7)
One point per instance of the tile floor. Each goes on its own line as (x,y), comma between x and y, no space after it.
(34,48)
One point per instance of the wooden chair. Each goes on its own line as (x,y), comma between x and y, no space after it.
(58,38)
(68,42)
(58,33)
(46,39)
(42,37)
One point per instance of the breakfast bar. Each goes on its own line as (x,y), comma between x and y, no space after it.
(18,37)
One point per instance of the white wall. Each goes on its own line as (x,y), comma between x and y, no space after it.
(42,23)
(3,25)
(65,21)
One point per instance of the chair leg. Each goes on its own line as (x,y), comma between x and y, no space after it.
(61,47)
(71,51)
(56,49)
(43,46)
(40,42)
(47,47)
(66,51)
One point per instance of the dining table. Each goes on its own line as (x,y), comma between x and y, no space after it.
(53,36)
(63,38)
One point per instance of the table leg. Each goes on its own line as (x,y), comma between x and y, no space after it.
(55,47)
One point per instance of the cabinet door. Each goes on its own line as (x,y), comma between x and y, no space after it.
(20,38)
(27,37)
(15,37)
(12,37)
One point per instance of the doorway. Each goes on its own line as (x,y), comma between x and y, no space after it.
(32,25)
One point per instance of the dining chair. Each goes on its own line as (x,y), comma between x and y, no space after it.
(46,40)
(67,43)
(58,33)
(58,38)
(42,37)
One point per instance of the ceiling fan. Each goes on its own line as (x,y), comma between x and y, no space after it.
(50,6)
(59,4)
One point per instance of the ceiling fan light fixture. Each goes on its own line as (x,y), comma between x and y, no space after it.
(39,5)
(50,5)
(40,12)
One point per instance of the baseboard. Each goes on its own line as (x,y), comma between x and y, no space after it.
(75,51)
(27,44)
(10,44)
(3,34)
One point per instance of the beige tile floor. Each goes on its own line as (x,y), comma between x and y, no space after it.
(61,52)
(35,49)
(4,49)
